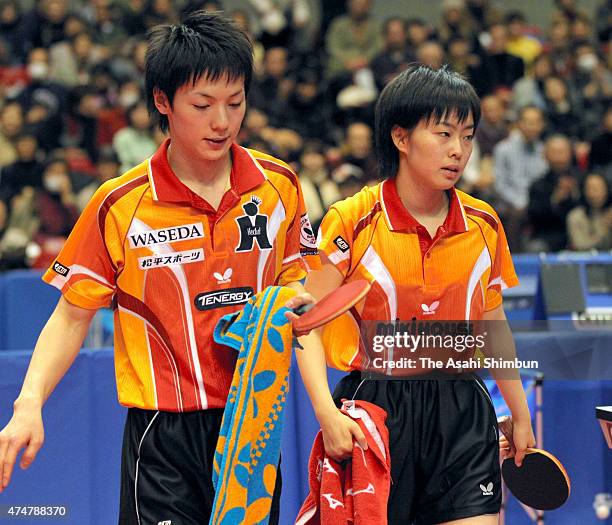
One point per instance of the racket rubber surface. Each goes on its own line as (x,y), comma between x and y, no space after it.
(540,483)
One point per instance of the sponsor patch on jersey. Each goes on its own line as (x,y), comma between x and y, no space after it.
(307,237)
(220,298)
(166,235)
(342,245)
(58,267)
(170,259)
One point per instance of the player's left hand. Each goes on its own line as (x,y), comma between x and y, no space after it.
(294,302)
(522,438)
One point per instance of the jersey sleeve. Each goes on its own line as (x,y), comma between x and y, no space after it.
(335,242)
(503,274)
(84,270)
(301,254)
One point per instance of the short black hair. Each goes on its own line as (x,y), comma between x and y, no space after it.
(203,44)
(419,93)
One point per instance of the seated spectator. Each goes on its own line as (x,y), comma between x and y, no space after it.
(520,42)
(505,68)
(582,28)
(357,152)
(44,24)
(133,17)
(271,90)
(455,22)
(558,47)
(135,142)
(11,30)
(56,203)
(352,40)
(431,53)
(591,80)
(561,115)
(43,92)
(25,171)
(396,55)
(308,110)
(552,197)
(11,125)
(21,226)
(601,148)
(589,225)
(108,167)
(285,23)
(469,64)
(319,190)
(529,90)
(493,127)
(72,61)
(418,32)
(105,18)
(519,161)
(83,120)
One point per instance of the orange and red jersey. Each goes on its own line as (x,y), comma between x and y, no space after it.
(170,266)
(457,275)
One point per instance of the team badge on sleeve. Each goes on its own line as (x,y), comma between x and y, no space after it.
(308,239)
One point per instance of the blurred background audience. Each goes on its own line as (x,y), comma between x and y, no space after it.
(72,111)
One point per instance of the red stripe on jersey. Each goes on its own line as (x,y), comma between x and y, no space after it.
(114,196)
(487,217)
(277,168)
(363,223)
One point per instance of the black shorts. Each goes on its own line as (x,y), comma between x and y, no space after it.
(443,440)
(167,465)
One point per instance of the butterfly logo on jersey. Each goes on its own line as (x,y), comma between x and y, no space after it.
(488,490)
(253,227)
(225,277)
(430,309)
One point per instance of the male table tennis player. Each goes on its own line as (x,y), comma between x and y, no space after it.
(159,243)
(431,252)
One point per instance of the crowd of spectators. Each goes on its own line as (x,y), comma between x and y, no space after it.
(72,110)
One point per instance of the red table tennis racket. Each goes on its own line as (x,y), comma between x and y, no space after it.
(540,482)
(331,306)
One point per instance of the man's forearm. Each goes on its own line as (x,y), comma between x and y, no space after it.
(56,349)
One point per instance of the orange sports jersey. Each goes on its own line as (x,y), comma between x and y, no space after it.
(171,266)
(457,275)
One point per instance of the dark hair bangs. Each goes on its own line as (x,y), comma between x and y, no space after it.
(204,44)
(420,93)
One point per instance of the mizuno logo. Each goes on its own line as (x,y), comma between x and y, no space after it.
(165,235)
(368,490)
(488,490)
(220,298)
(333,502)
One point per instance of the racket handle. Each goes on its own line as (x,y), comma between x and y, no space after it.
(303,308)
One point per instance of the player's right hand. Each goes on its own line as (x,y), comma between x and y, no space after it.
(339,433)
(24,430)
